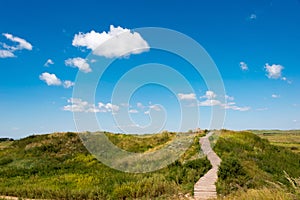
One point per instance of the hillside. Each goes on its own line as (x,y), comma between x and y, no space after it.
(57,166)
(253,168)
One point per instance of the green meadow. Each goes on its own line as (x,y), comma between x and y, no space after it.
(255,165)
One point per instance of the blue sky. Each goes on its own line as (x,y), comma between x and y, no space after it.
(254,44)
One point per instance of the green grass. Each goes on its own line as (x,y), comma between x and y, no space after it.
(57,166)
(250,162)
(288,139)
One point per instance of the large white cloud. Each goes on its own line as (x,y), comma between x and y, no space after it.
(274,71)
(190,96)
(79,63)
(22,44)
(121,42)
(50,79)
(6,54)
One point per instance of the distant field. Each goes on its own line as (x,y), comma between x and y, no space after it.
(289,139)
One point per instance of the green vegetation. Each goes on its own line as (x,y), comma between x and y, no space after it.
(57,166)
(289,139)
(252,168)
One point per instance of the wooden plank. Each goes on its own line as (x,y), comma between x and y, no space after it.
(205,188)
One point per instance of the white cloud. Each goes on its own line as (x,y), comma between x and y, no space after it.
(209,102)
(229,98)
(152,107)
(48,62)
(108,107)
(190,96)
(243,66)
(274,71)
(253,17)
(133,111)
(209,95)
(123,42)
(68,84)
(22,44)
(155,107)
(80,63)
(232,106)
(6,54)
(140,105)
(275,96)
(8,51)
(50,79)
(78,105)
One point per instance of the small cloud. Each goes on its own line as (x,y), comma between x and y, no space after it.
(108,107)
(229,98)
(93,61)
(8,51)
(6,54)
(22,44)
(274,71)
(152,107)
(190,96)
(50,79)
(209,95)
(122,42)
(253,16)
(68,84)
(209,102)
(275,96)
(243,66)
(155,107)
(232,106)
(79,63)
(79,105)
(48,62)
(140,105)
(133,111)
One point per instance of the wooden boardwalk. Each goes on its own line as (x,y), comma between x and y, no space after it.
(205,188)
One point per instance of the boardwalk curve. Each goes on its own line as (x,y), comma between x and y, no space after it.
(205,188)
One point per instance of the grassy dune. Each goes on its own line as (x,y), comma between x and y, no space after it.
(253,168)
(57,166)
